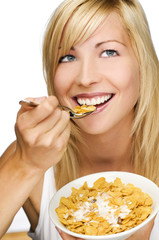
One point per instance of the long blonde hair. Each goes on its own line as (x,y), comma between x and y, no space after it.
(82,18)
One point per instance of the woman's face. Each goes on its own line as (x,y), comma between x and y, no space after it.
(102,71)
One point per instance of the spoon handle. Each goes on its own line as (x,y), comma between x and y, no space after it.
(28,103)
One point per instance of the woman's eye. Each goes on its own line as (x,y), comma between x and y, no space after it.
(109,53)
(67,58)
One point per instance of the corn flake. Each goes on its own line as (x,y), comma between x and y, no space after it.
(84,109)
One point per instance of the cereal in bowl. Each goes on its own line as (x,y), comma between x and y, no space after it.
(105,208)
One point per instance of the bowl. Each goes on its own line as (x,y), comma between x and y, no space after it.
(139,181)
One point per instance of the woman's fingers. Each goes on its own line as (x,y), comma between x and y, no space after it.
(42,133)
(29,118)
(49,131)
(26,107)
(50,122)
(58,135)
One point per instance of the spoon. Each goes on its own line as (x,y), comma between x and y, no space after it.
(70,111)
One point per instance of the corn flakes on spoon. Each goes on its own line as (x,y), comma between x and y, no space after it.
(77,113)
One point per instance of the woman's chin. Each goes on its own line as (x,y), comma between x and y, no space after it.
(91,127)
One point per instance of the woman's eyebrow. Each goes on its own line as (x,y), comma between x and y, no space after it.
(72,48)
(100,43)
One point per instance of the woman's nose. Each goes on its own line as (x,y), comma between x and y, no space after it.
(87,73)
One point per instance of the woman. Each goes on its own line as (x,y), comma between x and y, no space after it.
(107,60)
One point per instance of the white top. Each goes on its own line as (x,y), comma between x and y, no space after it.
(46,230)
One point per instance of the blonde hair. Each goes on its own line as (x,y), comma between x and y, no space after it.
(82,18)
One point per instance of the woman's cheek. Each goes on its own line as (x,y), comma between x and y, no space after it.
(59,82)
(65,78)
(62,84)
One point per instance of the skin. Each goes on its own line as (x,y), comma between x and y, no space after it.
(42,133)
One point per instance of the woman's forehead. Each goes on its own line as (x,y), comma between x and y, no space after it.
(111,29)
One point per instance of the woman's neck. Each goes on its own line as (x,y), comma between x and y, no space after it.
(107,152)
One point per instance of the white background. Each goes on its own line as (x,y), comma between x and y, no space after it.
(22,24)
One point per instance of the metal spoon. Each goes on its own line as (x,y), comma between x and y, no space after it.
(71,112)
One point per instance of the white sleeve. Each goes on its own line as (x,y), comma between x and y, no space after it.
(45,229)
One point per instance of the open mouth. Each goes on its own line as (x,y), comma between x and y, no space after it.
(97,101)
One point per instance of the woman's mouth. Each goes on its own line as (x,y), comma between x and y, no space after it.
(97,101)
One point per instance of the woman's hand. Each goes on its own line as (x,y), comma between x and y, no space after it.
(42,133)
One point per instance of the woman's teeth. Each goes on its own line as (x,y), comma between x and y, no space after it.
(94,101)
